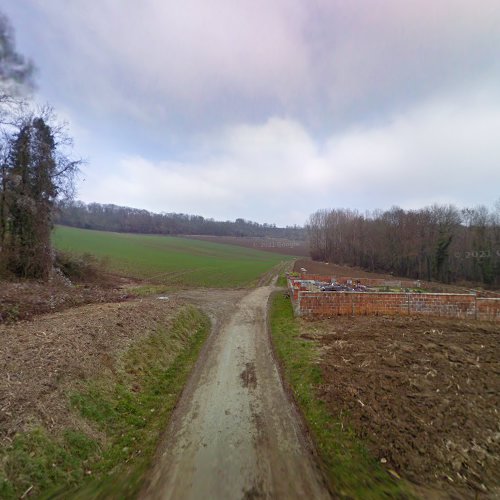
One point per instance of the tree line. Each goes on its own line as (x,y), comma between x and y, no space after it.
(440,242)
(35,168)
(108,217)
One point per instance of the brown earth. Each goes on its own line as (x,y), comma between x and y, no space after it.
(40,360)
(21,300)
(275,245)
(423,392)
(251,436)
(315,267)
(329,269)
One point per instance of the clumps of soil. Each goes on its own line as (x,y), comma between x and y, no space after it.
(22,300)
(40,361)
(424,393)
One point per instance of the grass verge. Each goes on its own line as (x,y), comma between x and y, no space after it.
(282,281)
(351,470)
(127,409)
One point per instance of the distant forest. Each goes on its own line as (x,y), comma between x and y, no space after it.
(440,242)
(134,220)
(437,243)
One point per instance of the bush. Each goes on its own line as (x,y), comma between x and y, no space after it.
(84,267)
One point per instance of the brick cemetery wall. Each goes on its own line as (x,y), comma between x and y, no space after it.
(309,302)
(488,309)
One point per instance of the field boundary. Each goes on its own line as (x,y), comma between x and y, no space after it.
(309,301)
(349,469)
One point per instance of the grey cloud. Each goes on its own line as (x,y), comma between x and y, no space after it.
(442,151)
(243,104)
(194,64)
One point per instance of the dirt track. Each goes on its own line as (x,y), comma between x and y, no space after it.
(234,433)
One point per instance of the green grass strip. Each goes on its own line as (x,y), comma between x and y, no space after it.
(350,468)
(282,281)
(129,409)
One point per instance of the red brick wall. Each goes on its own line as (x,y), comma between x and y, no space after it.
(488,309)
(325,304)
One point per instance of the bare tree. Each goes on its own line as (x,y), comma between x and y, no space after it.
(434,243)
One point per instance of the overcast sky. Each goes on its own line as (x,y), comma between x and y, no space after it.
(270,109)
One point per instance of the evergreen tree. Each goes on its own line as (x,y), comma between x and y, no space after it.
(34,175)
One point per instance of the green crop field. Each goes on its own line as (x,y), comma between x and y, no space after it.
(170,260)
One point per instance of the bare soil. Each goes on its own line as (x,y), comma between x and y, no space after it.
(423,392)
(315,267)
(44,358)
(21,300)
(40,361)
(327,268)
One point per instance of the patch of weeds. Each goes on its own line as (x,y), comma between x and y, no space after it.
(134,409)
(282,281)
(130,407)
(352,471)
(84,267)
(9,313)
(36,461)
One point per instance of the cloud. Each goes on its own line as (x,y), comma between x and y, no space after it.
(444,150)
(157,59)
(270,110)
(379,56)
(194,64)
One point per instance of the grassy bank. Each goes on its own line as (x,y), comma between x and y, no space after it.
(122,413)
(171,260)
(352,471)
(281,281)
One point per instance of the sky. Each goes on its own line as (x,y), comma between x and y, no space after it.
(268,110)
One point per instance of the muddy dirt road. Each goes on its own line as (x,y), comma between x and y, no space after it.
(235,434)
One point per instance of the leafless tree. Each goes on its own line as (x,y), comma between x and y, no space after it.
(434,243)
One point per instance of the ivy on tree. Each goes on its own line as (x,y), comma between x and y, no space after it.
(35,169)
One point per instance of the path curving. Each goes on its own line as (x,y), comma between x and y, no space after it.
(235,434)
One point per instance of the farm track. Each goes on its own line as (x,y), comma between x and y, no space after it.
(234,433)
